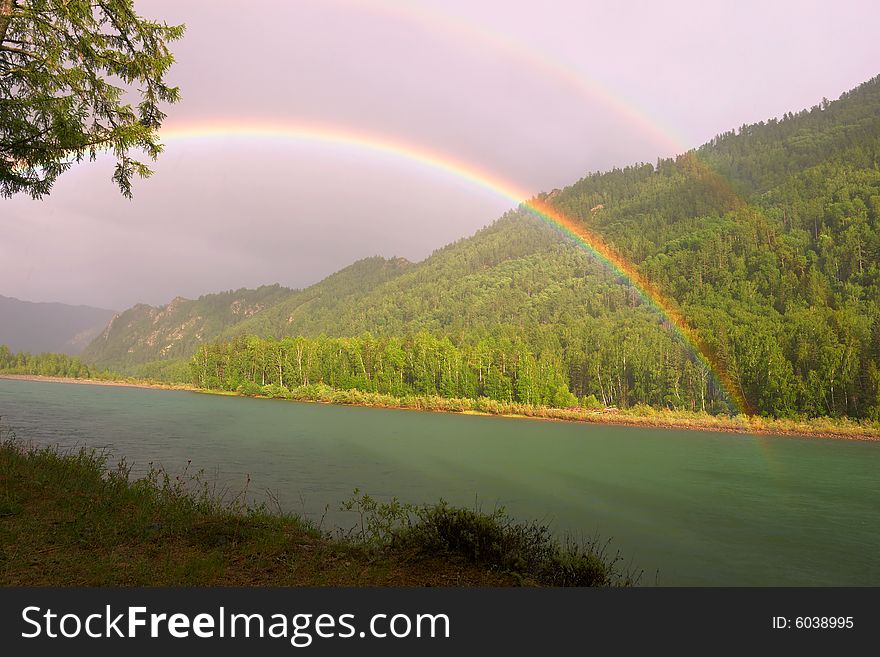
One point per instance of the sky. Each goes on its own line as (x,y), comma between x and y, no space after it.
(533,94)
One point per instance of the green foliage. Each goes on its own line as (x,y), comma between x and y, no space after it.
(70,518)
(144,334)
(162,371)
(420,365)
(60,365)
(590,403)
(491,540)
(767,239)
(67,68)
(378,522)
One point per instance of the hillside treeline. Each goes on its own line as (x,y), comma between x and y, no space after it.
(767,239)
(502,368)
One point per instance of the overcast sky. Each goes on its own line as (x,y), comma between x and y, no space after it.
(536,93)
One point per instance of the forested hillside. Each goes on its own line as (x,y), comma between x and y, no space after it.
(768,238)
(145,334)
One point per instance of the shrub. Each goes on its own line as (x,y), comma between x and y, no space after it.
(591,403)
(275,391)
(488,539)
(250,388)
(491,540)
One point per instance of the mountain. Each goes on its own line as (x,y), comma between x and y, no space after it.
(146,333)
(767,239)
(143,333)
(49,327)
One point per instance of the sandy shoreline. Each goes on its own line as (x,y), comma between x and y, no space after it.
(752,426)
(98,382)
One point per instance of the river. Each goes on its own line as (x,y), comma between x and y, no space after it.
(687,507)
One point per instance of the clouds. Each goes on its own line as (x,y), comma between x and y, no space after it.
(539,96)
(223,215)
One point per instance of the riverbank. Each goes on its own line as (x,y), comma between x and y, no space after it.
(123,383)
(639,416)
(69,519)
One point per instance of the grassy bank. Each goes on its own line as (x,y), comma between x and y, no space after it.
(638,416)
(69,519)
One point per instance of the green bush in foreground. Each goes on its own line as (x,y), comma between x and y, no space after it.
(70,518)
(493,540)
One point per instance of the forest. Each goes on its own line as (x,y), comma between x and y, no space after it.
(767,239)
(501,368)
(48,364)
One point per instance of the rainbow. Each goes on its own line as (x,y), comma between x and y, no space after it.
(574,230)
(436,21)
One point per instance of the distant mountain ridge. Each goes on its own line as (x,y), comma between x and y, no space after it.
(146,333)
(143,333)
(767,238)
(40,327)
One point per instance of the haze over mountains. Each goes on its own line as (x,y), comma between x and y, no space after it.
(55,327)
(767,237)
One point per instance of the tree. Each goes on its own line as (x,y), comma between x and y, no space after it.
(69,73)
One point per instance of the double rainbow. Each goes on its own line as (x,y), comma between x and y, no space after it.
(476,176)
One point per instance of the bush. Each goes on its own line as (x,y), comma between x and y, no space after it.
(313,392)
(490,540)
(275,391)
(563,397)
(250,389)
(591,403)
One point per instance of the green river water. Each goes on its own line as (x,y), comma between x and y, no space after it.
(687,507)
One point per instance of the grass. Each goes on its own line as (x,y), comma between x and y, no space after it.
(69,519)
(526,550)
(638,415)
